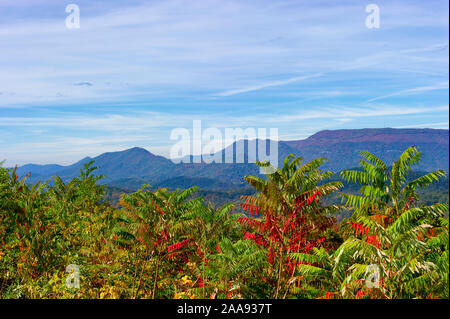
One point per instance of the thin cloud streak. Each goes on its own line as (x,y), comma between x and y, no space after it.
(438,86)
(426,125)
(268,84)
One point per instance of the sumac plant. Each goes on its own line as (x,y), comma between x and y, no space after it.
(290,216)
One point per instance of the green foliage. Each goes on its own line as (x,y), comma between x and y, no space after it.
(405,242)
(161,243)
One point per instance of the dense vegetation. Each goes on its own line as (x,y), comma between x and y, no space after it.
(174,244)
(434,193)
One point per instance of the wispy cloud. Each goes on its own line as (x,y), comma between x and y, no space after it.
(441,125)
(268,84)
(83,84)
(349,113)
(416,90)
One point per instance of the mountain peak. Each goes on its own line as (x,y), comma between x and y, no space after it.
(137,149)
(134,151)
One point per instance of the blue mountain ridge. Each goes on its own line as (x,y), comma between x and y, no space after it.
(133,167)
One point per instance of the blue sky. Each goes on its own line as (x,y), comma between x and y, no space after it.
(135,70)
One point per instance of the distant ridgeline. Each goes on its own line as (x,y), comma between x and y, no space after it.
(128,170)
(434,193)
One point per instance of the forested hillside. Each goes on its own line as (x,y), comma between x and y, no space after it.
(219,194)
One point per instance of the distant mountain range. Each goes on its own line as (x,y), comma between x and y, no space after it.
(342,147)
(136,166)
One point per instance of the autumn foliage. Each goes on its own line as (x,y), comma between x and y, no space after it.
(282,242)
